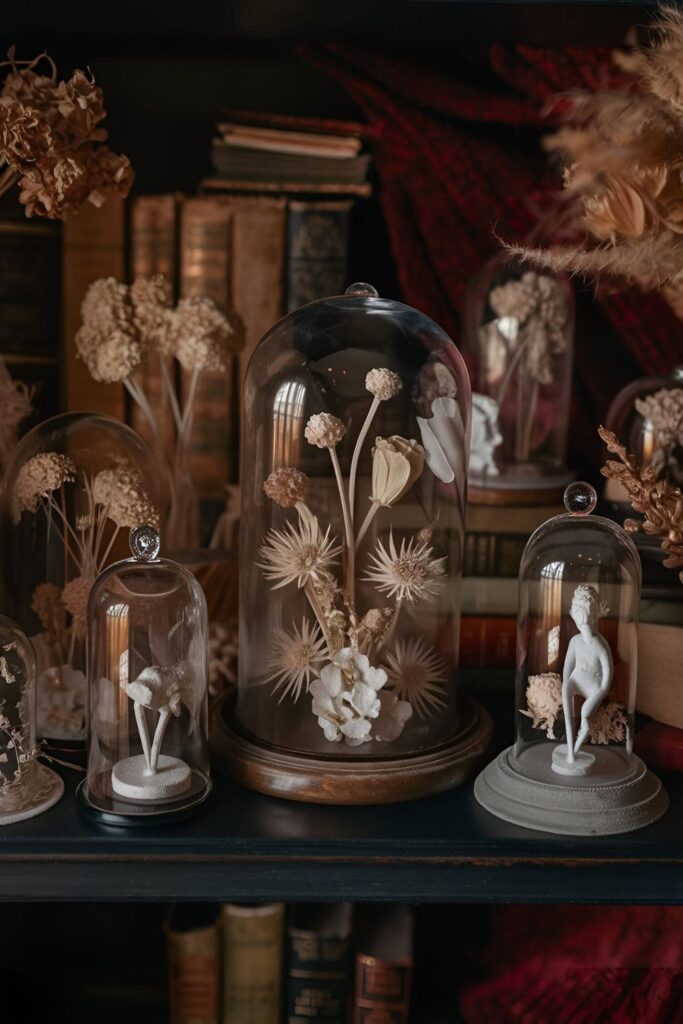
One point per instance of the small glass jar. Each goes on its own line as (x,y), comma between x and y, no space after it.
(148,685)
(73,488)
(572,768)
(27,787)
(518,347)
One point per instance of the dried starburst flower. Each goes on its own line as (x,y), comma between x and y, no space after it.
(38,478)
(286,486)
(75,599)
(15,406)
(300,554)
(417,675)
(47,604)
(608,723)
(383,383)
(295,657)
(657,500)
(201,335)
(324,430)
(544,701)
(664,410)
(410,573)
(121,492)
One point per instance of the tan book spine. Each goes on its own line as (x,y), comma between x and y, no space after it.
(153,251)
(205,253)
(252,963)
(193,976)
(93,246)
(382,992)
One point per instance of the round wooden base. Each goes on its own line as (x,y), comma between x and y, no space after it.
(606,808)
(352,781)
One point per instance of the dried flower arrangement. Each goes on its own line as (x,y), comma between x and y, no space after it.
(608,723)
(15,405)
(662,414)
(115,499)
(364,682)
(123,325)
(624,182)
(21,781)
(52,141)
(658,501)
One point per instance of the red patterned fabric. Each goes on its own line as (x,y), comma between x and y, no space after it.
(457,161)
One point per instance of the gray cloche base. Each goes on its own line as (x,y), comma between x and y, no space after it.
(606,809)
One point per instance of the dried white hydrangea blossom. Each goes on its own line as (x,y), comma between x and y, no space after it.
(664,410)
(75,599)
(38,478)
(544,701)
(201,335)
(108,341)
(538,303)
(121,492)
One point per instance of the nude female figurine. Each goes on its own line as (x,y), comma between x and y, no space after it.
(587,673)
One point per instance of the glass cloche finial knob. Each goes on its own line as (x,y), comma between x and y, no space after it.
(580,498)
(362,288)
(145,543)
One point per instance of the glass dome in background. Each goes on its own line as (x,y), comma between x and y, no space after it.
(518,345)
(73,488)
(148,687)
(354,466)
(26,787)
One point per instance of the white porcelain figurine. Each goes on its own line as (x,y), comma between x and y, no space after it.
(587,673)
(486,435)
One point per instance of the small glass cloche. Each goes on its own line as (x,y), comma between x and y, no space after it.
(518,346)
(73,488)
(27,787)
(354,467)
(572,768)
(148,686)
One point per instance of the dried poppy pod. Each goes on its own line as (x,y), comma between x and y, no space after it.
(354,466)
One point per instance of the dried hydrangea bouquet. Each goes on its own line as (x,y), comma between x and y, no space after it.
(74,487)
(123,326)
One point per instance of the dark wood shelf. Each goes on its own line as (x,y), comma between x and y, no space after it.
(243,846)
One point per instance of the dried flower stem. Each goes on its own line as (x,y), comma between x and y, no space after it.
(365,525)
(357,450)
(348,528)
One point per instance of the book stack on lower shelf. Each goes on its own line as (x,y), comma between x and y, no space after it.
(313,963)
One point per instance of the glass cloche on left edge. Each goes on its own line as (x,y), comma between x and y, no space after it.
(354,467)
(73,488)
(27,787)
(572,768)
(148,685)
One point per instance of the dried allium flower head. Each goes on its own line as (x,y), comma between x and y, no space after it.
(417,675)
(608,723)
(107,340)
(47,604)
(121,492)
(324,430)
(294,658)
(15,406)
(383,383)
(544,701)
(410,573)
(286,486)
(664,410)
(75,599)
(301,554)
(202,335)
(38,478)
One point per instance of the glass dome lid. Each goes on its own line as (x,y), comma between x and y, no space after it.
(354,464)
(572,767)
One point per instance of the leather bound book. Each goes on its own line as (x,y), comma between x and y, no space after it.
(93,246)
(193,968)
(252,963)
(319,963)
(317,250)
(153,222)
(384,966)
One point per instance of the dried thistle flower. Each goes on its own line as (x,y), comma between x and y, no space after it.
(286,486)
(410,573)
(417,675)
(121,492)
(324,430)
(301,554)
(294,658)
(657,500)
(544,701)
(383,383)
(38,478)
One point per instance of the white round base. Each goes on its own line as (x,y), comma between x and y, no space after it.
(614,798)
(131,779)
(56,785)
(580,765)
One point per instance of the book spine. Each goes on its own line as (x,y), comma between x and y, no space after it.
(318,978)
(193,976)
(205,252)
(153,251)
(488,641)
(493,554)
(252,964)
(93,246)
(382,991)
(317,250)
